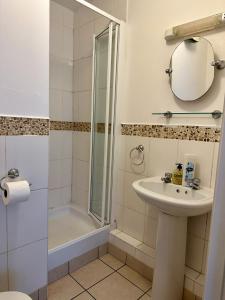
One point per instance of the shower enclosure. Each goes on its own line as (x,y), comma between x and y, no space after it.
(83,71)
(102,133)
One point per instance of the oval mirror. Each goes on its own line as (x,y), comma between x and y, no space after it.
(191,70)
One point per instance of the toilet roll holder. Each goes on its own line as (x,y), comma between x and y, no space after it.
(12,174)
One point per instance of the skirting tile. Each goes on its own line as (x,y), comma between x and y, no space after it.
(58,273)
(41,294)
(145,270)
(83,260)
(102,250)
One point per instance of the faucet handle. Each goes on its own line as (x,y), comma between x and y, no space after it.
(168,175)
(195,183)
(167,178)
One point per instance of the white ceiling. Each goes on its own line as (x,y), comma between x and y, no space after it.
(71,4)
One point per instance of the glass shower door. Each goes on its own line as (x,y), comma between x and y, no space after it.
(102,132)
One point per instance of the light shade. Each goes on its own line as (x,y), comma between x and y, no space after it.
(194,27)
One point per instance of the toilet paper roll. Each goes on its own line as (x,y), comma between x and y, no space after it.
(15,191)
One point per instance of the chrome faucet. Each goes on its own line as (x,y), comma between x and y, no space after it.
(167,178)
(194,183)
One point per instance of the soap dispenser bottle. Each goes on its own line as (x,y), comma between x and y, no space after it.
(189,169)
(177,175)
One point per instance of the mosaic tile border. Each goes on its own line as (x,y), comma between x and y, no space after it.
(61,125)
(23,126)
(181,132)
(77,126)
(71,126)
(37,126)
(82,126)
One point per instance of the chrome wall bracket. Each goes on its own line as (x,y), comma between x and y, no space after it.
(169,71)
(13,173)
(168,114)
(219,64)
(216,114)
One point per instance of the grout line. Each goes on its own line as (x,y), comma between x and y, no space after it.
(27,244)
(112,267)
(86,289)
(116,271)
(91,295)
(145,294)
(131,282)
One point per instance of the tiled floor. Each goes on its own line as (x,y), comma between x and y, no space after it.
(104,278)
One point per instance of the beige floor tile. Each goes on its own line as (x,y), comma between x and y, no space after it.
(92,273)
(146,297)
(149,292)
(112,261)
(84,296)
(115,287)
(64,289)
(135,278)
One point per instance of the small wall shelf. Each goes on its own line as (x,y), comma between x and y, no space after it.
(216,114)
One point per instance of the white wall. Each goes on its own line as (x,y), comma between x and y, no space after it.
(147,90)
(139,219)
(148,56)
(23,84)
(24,88)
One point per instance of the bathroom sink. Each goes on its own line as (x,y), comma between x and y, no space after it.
(175,203)
(174,199)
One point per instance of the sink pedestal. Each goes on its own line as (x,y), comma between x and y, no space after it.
(170,258)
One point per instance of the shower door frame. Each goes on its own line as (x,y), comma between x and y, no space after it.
(104,219)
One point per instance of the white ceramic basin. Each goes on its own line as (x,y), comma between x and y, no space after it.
(174,199)
(175,203)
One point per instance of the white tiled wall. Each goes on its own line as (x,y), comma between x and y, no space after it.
(24,91)
(28,267)
(61,103)
(24,225)
(3,272)
(61,63)
(71,49)
(160,157)
(60,167)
